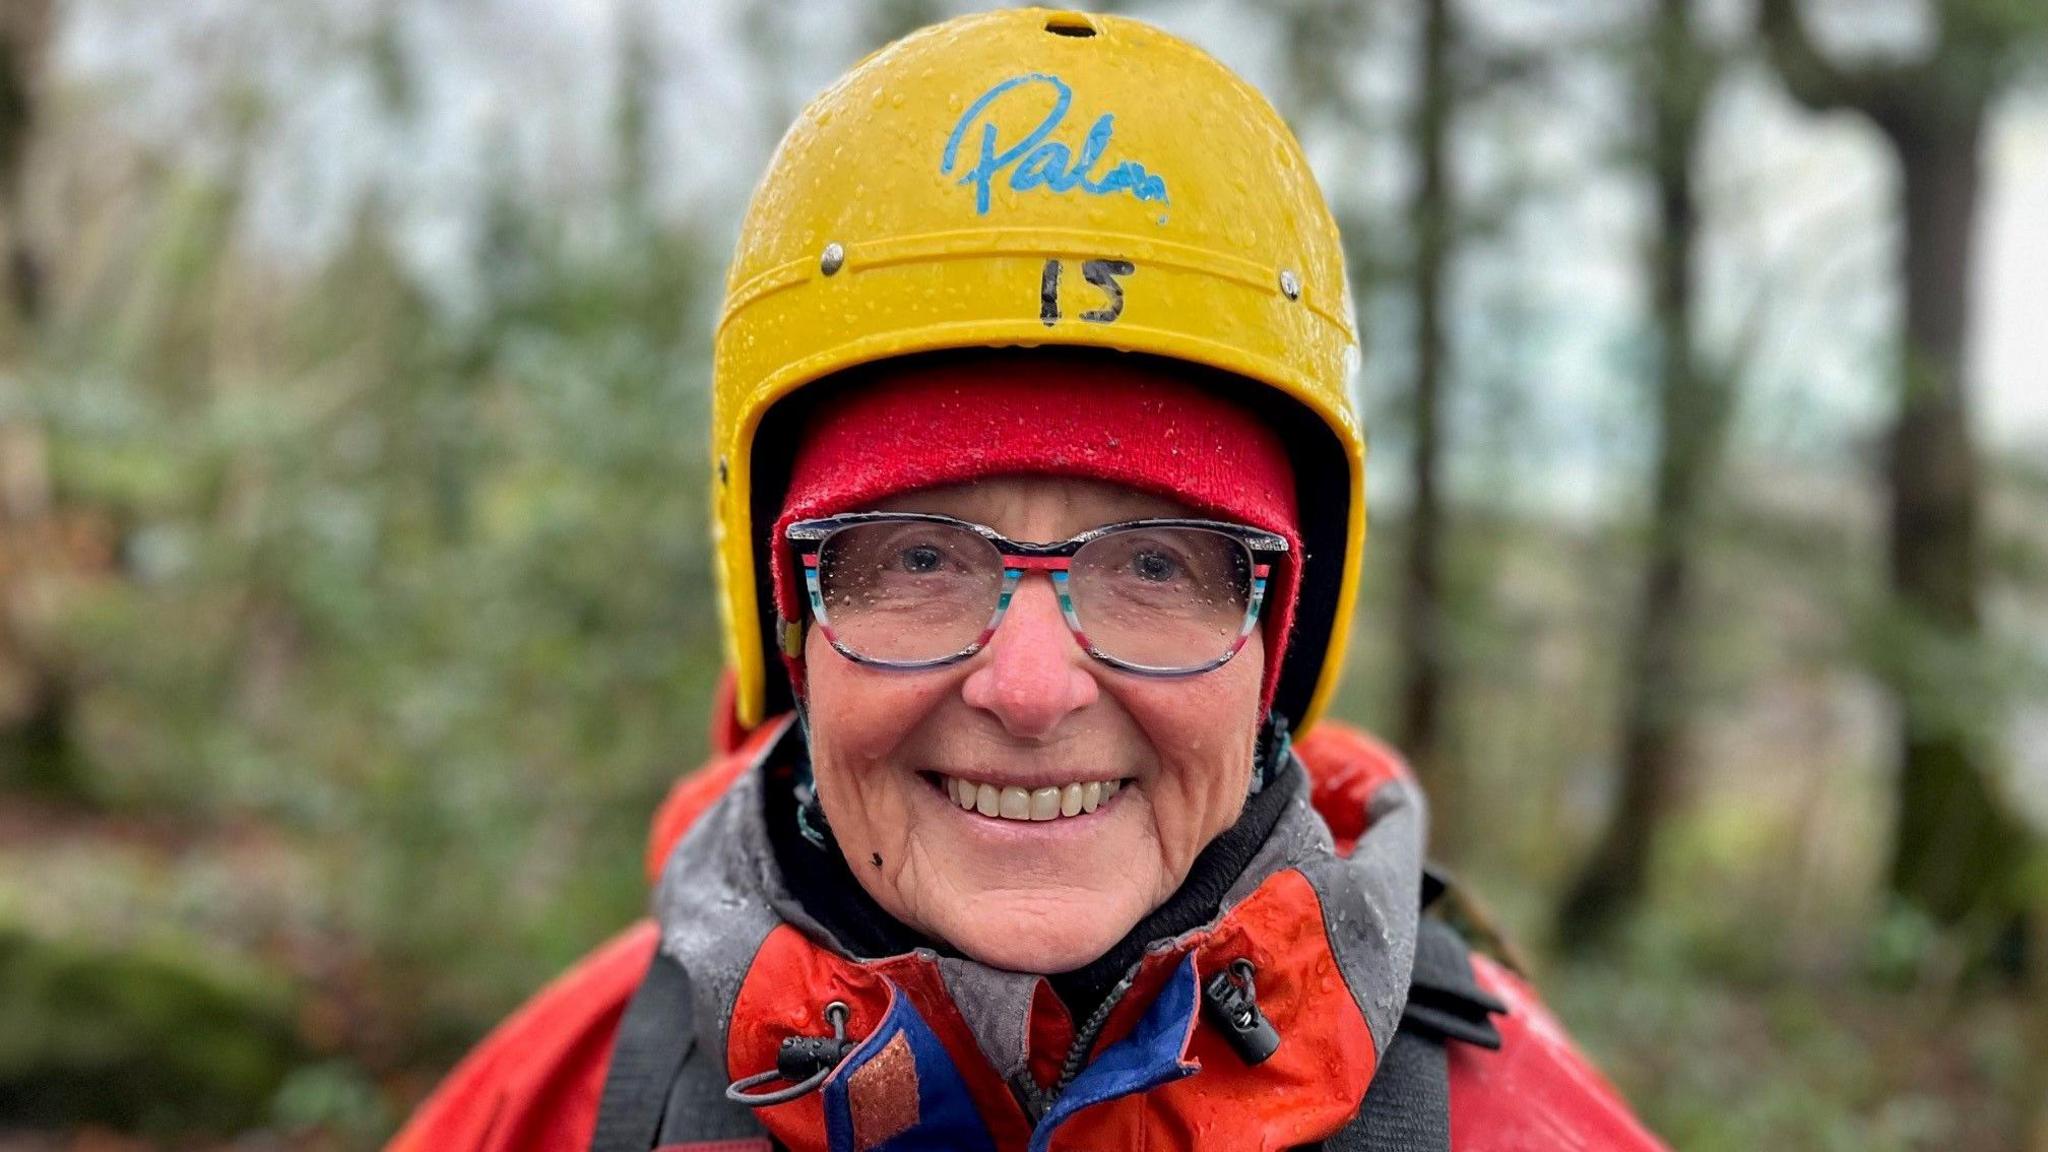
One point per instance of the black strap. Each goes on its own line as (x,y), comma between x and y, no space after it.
(661,1089)
(1408,1106)
(655,1037)
(1444,999)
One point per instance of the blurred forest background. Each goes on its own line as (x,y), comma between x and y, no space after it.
(354,610)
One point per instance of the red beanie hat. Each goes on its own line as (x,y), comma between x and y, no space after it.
(1115,418)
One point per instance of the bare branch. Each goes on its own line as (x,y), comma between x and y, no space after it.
(1813,79)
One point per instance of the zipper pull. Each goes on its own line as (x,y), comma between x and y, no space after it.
(805,1062)
(1232,1003)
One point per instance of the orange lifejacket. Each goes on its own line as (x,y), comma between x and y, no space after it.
(1321,926)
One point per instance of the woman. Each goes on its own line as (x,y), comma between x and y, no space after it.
(1011,847)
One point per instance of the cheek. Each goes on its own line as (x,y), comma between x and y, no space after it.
(1203,731)
(859,717)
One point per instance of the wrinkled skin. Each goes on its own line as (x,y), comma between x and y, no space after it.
(1031,709)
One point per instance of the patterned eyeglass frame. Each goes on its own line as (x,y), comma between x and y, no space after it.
(807,538)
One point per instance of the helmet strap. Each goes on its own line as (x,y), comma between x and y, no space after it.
(1271,754)
(789,636)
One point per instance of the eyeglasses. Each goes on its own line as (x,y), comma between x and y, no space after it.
(1160,597)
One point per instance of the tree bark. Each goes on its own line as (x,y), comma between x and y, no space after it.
(36,747)
(1691,418)
(1955,849)
(1957,854)
(1422,635)
(25,29)
(2034,1084)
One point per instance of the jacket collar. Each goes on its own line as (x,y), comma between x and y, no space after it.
(1332,939)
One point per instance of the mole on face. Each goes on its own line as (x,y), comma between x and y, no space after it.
(876,859)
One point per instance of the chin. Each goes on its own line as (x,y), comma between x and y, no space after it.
(1042,941)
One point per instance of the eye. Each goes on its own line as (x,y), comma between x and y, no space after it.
(1156,567)
(920,558)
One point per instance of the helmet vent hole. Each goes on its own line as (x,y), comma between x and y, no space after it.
(1070,24)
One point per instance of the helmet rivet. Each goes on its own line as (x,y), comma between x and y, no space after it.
(1290,284)
(833,259)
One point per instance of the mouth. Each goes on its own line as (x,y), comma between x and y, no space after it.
(1025,805)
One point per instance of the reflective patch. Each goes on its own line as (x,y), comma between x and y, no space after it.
(882,1095)
(900,1092)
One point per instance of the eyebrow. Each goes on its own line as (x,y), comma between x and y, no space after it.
(1143,506)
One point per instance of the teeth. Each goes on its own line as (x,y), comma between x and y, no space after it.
(1039,804)
(1016,804)
(1045,804)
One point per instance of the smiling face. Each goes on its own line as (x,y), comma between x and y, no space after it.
(936,772)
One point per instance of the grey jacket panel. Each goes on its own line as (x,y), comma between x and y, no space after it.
(1371,905)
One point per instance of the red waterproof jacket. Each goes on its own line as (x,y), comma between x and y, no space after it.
(1323,913)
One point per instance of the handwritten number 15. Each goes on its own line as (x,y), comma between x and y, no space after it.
(1101,273)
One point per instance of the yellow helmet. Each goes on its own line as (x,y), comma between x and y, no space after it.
(1024,178)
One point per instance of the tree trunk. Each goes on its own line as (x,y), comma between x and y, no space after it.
(25,29)
(36,748)
(1691,416)
(1955,850)
(2034,1084)
(1422,632)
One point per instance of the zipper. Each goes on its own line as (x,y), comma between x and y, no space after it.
(1037,1101)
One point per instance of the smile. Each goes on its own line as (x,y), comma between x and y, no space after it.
(1027,804)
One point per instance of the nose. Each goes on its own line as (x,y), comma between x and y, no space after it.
(1032,674)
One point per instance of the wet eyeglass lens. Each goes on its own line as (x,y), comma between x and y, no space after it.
(1162,598)
(908,591)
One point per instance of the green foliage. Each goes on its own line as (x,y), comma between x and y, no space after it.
(150,1038)
(404,624)
(332,1098)
(1806,1062)
(423,585)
